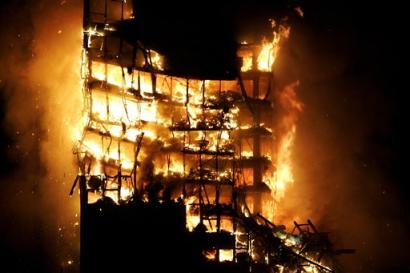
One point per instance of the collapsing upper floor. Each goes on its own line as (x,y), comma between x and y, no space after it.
(178,118)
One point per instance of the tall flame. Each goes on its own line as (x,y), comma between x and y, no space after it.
(291,107)
(115,114)
(283,175)
(270,50)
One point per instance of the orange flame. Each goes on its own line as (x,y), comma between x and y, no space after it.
(291,107)
(192,217)
(115,112)
(270,50)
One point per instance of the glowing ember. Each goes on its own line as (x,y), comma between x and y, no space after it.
(192,216)
(156,60)
(246,62)
(225,255)
(210,255)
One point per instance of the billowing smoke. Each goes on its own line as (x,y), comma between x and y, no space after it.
(347,158)
(40,56)
(343,157)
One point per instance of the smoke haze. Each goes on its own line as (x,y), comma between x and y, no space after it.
(350,146)
(348,156)
(40,54)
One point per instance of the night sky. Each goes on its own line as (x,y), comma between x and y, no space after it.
(350,157)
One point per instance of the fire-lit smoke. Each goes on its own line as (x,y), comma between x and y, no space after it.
(55,70)
(290,108)
(51,80)
(46,92)
(345,163)
(338,163)
(54,74)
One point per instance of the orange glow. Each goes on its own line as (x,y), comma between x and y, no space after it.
(112,74)
(192,216)
(267,53)
(283,175)
(123,103)
(157,61)
(270,50)
(173,167)
(210,255)
(246,62)
(291,108)
(225,255)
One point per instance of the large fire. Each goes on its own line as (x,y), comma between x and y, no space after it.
(287,124)
(158,137)
(115,119)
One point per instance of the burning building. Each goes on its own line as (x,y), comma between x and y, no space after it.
(181,164)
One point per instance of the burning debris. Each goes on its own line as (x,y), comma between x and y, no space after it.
(197,162)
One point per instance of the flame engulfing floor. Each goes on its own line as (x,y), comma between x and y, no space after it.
(220,149)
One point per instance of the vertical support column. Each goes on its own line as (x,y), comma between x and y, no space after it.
(119,180)
(183,164)
(82,179)
(200,196)
(257,168)
(83,219)
(154,83)
(86,15)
